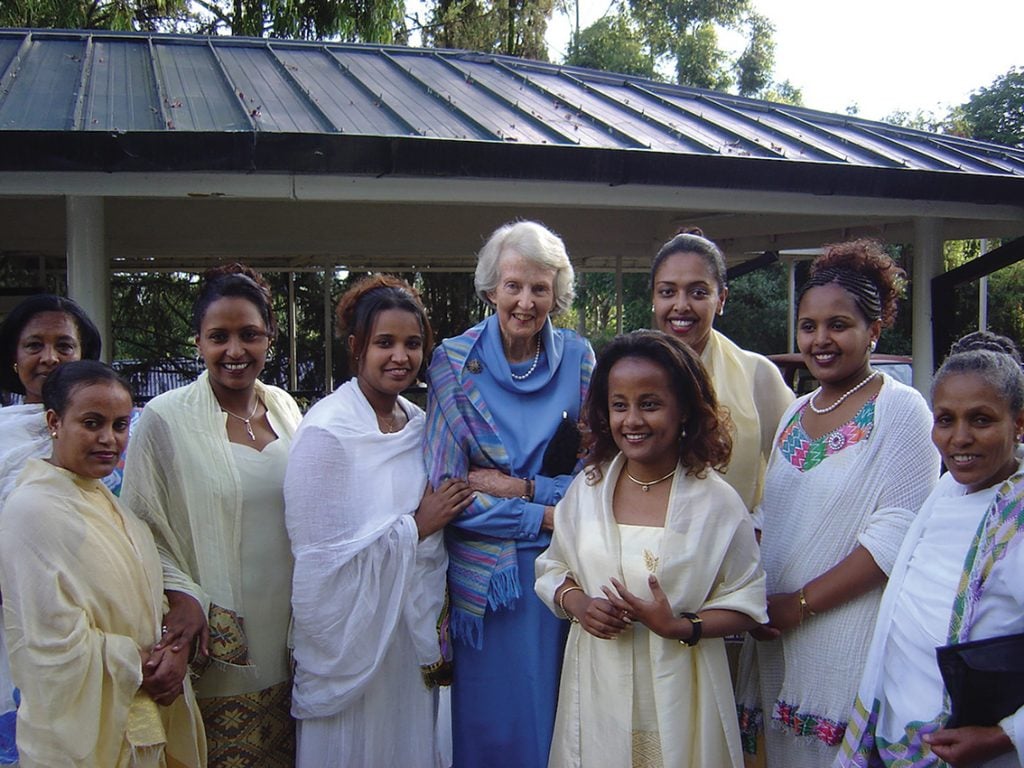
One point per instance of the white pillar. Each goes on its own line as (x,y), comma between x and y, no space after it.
(983,292)
(88,271)
(927,264)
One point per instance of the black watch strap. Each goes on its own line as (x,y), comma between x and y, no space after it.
(698,628)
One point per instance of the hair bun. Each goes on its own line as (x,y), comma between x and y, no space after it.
(988,341)
(691,231)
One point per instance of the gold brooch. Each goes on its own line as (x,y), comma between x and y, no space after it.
(474,366)
(650,560)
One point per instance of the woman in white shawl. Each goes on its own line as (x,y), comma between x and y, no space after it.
(206,470)
(957,577)
(369,588)
(653,559)
(83,599)
(39,334)
(688,290)
(851,462)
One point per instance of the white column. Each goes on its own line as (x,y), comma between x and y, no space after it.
(983,292)
(927,264)
(88,270)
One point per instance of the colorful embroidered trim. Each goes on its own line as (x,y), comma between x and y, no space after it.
(751,723)
(805,724)
(805,454)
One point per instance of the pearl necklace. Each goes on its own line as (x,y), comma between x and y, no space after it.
(536,358)
(838,402)
(247,420)
(645,486)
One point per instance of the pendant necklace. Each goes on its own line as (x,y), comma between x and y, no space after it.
(645,486)
(247,420)
(387,427)
(536,358)
(838,402)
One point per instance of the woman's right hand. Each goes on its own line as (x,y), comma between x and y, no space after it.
(184,625)
(438,508)
(163,674)
(596,615)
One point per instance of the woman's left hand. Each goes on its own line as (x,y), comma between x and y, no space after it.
(655,614)
(784,611)
(163,675)
(494,482)
(970,745)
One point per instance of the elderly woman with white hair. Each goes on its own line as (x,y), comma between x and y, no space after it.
(503,401)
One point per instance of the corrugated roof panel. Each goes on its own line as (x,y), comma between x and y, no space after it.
(42,97)
(8,50)
(197,97)
(272,101)
(122,94)
(825,140)
(467,95)
(425,113)
(349,107)
(607,112)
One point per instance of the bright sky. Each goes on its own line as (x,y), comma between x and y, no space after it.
(882,55)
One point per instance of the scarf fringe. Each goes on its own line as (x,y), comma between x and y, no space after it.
(503,593)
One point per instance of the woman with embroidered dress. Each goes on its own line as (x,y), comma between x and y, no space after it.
(653,560)
(206,471)
(39,334)
(83,598)
(370,565)
(498,395)
(852,461)
(957,578)
(688,290)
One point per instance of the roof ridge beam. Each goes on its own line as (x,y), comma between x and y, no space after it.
(83,79)
(12,69)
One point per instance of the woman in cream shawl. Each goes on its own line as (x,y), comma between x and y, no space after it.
(206,471)
(83,599)
(653,568)
(689,290)
(369,556)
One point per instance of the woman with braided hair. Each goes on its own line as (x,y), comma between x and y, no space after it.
(851,461)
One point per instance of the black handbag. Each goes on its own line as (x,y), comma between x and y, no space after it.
(984,678)
(563,449)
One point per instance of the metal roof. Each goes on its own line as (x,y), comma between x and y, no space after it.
(86,100)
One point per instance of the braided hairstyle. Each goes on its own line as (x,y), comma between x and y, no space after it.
(863,269)
(994,358)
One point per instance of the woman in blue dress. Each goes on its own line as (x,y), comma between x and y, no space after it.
(498,394)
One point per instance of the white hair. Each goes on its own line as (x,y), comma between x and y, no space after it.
(535,243)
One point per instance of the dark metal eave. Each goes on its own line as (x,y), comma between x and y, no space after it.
(417,157)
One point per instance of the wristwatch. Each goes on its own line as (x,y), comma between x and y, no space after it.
(698,628)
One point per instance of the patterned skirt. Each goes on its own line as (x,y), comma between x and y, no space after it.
(251,730)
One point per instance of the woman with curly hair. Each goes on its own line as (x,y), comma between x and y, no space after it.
(205,469)
(370,563)
(852,461)
(653,560)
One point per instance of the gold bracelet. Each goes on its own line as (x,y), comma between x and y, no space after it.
(805,609)
(561,603)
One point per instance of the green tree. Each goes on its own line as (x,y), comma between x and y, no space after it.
(510,27)
(613,44)
(784,93)
(146,15)
(377,21)
(995,113)
(684,33)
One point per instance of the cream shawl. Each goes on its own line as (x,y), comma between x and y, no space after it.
(82,595)
(708,559)
(361,574)
(181,479)
(25,437)
(751,387)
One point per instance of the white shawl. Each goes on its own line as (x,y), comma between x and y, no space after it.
(865,494)
(361,573)
(181,479)
(25,437)
(708,559)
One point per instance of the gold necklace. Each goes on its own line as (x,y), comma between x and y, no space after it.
(388,427)
(645,486)
(245,420)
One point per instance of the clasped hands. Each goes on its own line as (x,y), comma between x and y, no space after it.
(607,617)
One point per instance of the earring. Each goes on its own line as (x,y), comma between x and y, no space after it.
(15,367)
(53,434)
(682,432)
(872,345)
